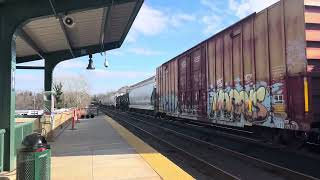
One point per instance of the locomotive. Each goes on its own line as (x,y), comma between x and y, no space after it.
(260,74)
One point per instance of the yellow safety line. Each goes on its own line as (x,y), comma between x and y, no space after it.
(159,163)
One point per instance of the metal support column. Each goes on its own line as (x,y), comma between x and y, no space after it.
(7,90)
(50,64)
(13,15)
(48,73)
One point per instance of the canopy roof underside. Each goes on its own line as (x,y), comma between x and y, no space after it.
(93,31)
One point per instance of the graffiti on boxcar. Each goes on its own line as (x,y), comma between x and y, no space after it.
(229,104)
(253,104)
(169,103)
(259,100)
(278,116)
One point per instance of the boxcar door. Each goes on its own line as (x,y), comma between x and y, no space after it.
(203,90)
(182,94)
(195,80)
(198,90)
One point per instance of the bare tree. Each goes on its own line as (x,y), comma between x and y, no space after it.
(57,87)
(27,100)
(75,91)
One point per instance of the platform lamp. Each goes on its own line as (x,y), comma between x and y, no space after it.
(90,65)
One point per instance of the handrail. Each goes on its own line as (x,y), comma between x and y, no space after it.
(21,131)
(2,132)
(18,125)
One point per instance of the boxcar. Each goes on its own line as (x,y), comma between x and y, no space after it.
(262,71)
(141,95)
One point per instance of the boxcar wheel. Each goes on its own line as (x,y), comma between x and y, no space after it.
(290,139)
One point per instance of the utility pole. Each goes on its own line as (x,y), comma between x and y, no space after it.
(34,103)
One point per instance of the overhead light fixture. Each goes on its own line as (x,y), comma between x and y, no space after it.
(90,65)
(106,63)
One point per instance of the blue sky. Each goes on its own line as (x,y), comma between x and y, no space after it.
(162,30)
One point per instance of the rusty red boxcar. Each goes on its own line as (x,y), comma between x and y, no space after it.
(262,71)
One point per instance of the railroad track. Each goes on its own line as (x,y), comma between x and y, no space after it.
(234,135)
(220,162)
(212,170)
(221,130)
(294,159)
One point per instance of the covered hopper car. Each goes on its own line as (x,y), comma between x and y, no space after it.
(109,100)
(141,95)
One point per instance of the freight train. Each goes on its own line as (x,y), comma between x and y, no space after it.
(112,99)
(262,74)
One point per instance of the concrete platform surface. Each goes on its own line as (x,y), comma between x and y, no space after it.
(95,151)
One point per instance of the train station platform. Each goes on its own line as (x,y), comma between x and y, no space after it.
(100,148)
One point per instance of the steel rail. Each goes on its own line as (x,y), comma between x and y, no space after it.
(291,174)
(235,136)
(217,172)
(209,124)
(219,128)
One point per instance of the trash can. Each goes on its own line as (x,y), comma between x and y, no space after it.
(34,158)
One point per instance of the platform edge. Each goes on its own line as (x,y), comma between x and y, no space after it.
(158,162)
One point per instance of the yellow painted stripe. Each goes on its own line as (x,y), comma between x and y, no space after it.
(306,95)
(162,165)
(250,106)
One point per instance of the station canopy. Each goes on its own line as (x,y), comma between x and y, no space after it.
(92,31)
